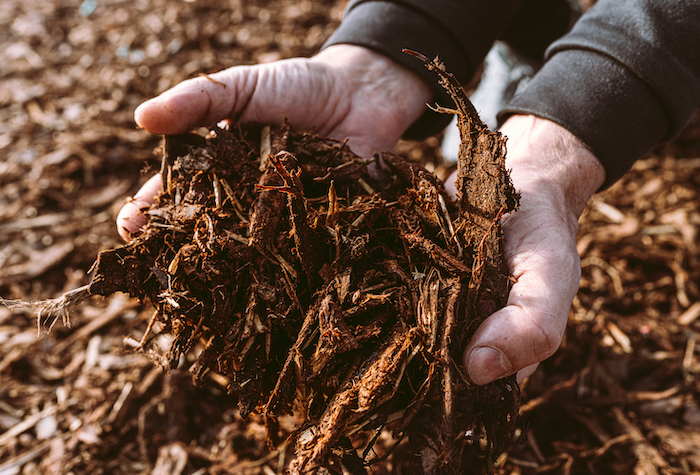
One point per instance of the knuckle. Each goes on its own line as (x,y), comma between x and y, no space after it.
(546,335)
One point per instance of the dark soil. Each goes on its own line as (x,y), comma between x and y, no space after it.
(620,396)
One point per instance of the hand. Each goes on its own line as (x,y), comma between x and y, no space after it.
(344,91)
(555,175)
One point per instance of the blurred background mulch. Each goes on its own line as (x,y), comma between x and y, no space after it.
(621,395)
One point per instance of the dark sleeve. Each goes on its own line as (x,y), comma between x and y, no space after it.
(624,79)
(460,32)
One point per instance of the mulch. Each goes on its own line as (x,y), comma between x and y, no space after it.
(620,396)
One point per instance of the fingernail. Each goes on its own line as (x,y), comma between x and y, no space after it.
(487,364)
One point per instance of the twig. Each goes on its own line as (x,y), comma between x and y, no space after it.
(610,270)
(442,257)
(448,422)
(603,449)
(532,442)
(548,394)
(209,78)
(262,461)
(450,226)
(10,357)
(649,460)
(633,397)
(689,355)
(53,309)
(27,423)
(690,315)
(13,464)
(115,308)
(149,328)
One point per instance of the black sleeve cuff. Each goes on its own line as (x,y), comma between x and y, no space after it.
(389,28)
(599,101)
(624,79)
(459,32)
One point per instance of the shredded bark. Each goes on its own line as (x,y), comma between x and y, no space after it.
(341,307)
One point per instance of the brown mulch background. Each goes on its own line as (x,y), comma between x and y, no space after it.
(621,395)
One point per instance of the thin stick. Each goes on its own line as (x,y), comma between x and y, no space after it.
(149,328)
(26,424)
(209,78)
(53,309)
(13,464)
(448,421)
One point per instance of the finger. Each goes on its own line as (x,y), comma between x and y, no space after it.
(198,102)
(511,339)
(526,372)
(531,326)
(131,219)
(451,186)
(264,94)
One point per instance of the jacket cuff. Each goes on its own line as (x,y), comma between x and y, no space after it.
(388,28)
(599,101)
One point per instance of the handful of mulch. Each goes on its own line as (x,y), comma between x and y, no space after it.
(341,289)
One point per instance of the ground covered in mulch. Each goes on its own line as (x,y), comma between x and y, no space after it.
(620,396)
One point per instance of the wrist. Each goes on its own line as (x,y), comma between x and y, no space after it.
(549,162)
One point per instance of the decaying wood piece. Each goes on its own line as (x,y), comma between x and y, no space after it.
(485,194)
(315,290)
(267,211)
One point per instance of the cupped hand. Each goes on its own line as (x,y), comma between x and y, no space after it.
(345,91)
(555,175)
